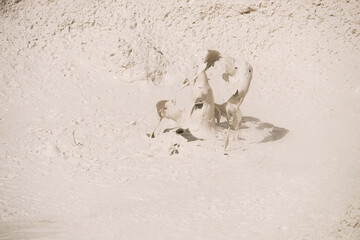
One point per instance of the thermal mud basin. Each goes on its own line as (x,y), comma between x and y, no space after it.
(79,87)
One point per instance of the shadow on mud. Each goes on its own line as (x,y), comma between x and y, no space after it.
(262,131)
(185,133)
(251,130)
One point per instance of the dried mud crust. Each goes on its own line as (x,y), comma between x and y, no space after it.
(127,39)
(349,227)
